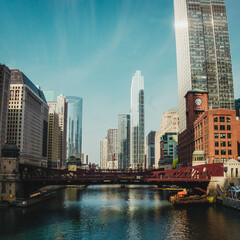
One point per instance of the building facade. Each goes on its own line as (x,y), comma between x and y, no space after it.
(237,107)
(53,140)
(61,108)
(74,129)
(150,149)
(170,124)
(5,75)
(137,122)
(112,146)
(215,131)
(103,153)
(123,141)
(203,53)
(169,148)
(28,119)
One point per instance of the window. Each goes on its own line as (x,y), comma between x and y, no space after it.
(229,144)
(222,127)
(223,144)
(223,160)
(222,119)
(216,135)
(215,127)
(228,119)
(216,119)
(228,127)
(223,152)
(216,144)
(216,160)
(216,152)
(229,135)
(229,152)
(222,135)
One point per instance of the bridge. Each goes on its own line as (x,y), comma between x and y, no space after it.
(34,177)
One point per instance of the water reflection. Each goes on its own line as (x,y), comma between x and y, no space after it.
(105,212)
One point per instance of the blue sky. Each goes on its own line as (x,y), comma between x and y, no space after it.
(92,48)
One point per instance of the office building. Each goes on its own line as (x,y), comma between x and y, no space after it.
(112,146)
(137,138)
(5,75)
(169,124)
(74,129)
(61,108)
(103,153)
(28,119)
(150,149)
(168,148)
(214,131)
(53,140)
(123,141)
(203,53)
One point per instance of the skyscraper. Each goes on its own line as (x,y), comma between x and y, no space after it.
(74,129)
(53,139)
(28,119)
(112,147)
(103,153)
(137,121)
(203,53)
(123,141)
(150,149)
(4,98)
(61,108)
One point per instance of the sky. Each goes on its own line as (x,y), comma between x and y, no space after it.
(92,48)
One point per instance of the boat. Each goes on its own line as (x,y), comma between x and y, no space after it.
(183,198)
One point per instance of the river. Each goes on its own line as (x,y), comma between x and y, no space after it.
(106,212)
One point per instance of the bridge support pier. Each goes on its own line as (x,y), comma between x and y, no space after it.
(10,183)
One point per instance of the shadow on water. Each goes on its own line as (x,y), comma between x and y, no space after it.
(106,212)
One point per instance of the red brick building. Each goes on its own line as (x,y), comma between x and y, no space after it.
(215,131)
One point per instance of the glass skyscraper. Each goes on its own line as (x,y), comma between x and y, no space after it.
(203,53)
(137,122)
(123,141)
(74,130)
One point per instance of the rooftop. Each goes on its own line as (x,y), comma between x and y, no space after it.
(18,77)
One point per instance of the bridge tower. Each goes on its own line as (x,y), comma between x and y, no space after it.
(10,185)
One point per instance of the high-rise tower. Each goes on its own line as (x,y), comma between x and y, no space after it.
(61,108)
(137,122)
(74,130)
(123,141)
(203,53)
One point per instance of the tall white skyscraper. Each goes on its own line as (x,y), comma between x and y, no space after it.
(137,122)
(203,53)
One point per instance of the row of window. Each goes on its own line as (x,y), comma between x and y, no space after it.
(222,119)
(222,127)
(223,144)
(223,135)
(223,152)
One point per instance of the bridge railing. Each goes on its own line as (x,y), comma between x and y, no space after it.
(196,173)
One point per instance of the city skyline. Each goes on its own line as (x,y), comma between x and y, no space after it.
(102,56)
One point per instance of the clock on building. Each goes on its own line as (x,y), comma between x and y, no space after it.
(198,101)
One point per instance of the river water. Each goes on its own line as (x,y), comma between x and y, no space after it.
(106,212)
